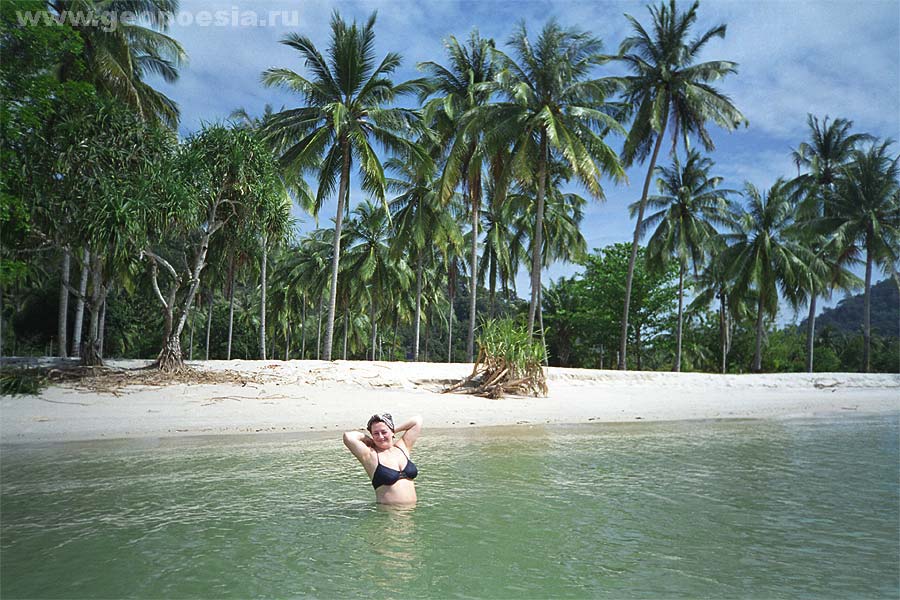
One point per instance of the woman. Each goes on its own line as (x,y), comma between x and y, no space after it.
(386,457)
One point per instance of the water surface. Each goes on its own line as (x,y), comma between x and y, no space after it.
(713,509)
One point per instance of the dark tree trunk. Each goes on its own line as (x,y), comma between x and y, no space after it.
(91,355)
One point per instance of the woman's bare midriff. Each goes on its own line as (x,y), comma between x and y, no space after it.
(402,492)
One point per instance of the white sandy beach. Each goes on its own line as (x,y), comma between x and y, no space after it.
(317,396)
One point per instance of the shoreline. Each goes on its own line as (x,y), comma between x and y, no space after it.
(317,397)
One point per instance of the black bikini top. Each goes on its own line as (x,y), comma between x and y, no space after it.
(387,476)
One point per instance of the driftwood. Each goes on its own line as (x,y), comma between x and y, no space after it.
(493,376)
(108,380)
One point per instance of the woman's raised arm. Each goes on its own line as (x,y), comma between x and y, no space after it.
(359,444)
(411,430)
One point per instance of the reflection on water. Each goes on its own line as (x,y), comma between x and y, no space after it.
(718,509)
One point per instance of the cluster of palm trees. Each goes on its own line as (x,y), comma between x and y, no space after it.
(473,184)
(500,132)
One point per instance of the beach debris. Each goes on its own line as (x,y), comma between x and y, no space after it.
(113,381)
(508,362)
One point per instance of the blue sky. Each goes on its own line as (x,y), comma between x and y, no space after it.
(838,57)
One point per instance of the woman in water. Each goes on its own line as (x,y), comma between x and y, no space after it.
(386,457)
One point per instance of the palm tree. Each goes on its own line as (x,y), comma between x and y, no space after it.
(552,110)
(762,256)
(830,146)
(865,209)
(461,88)
(667,86)
(307,269)
(715,283)
(421,224)
(117,59)
(503,249)
(687,210)
(344,112)
(369,262)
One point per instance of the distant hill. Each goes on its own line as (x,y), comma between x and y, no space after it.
(847,316)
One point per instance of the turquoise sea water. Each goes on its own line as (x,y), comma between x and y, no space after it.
(763,509)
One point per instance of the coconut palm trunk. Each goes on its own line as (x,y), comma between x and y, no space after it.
(262,299)
(101,335)
(723,331)
(537,241)
(449,320)
(346,330)
(303,328)
(336,249)
(678,328)
(867,303)
(757,354)
(810,333)
(475,196)
(373,328)
(419,267)
(209,314)
(319,330)
(230,307)
(629,278)
(63,314)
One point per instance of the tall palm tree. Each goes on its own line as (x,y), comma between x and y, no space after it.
(421,224)
(307,269)
(687,210)
(668,87)
(551,109)
(370,264)
(118,59)
(345,109)
(460,88)
(830,146)
(762,256)
(715,283)
(503,249)
(865,210)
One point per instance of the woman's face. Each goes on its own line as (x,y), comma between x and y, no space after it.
(382,434)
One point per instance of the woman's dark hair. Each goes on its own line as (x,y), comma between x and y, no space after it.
(385,418)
